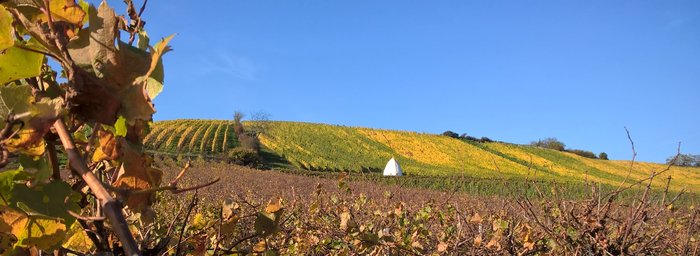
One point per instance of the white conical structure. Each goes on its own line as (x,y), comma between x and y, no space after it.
(393,168)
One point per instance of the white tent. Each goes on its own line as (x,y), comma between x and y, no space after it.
(393,168)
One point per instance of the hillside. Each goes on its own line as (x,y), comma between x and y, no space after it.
(335,148)
(208,137)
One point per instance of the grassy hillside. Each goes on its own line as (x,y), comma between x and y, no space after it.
(329,147)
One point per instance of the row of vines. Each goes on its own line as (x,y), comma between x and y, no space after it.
(204,137)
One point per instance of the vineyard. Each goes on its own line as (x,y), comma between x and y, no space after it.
(321,147)
(192,137)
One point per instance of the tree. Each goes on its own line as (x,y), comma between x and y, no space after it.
(550,143)
(684,160)
(603,156)
(259,123)
(450,134)
(238,122)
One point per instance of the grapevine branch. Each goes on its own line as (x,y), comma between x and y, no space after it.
(112,208)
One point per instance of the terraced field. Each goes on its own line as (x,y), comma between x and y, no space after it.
(206,137)
(333,148)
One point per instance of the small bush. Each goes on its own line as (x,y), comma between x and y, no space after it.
(485,139)
(464,136)
(450,134)
(583,153)
(249,142)
(244,156)
(603,156)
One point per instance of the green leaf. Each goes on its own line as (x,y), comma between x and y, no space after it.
(120,127)
(42,114)
(16,64)
(37,167)
(6,38)
(153,87)
(14,98)
(52,199)
(144,40)
(8,179)
(265,224)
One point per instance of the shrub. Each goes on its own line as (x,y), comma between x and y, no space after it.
(244,156)
(485,139)
(464,136)
(450,134)
(249,142)
(550,143)
(603,156)
(583,153)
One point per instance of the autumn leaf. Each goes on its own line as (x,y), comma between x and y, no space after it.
(43,232)
(6,37)
(344,219)
(135,173)
(107,147)
(267,222)
(442,247)
(77,240)
(64,10)
(476,218)
(477,240)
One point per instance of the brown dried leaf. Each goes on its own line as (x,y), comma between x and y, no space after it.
(442,247)
(477,241)
(476,218)
(136,174)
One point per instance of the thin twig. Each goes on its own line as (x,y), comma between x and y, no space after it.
(86,218)
(218,232)
(184,225)
(53,160)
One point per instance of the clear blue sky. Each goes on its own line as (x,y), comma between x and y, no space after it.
(514,71)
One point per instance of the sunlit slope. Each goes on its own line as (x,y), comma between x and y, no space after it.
(339,148)
(329,147)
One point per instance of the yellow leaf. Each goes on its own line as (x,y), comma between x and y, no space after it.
(6,38)
(28,142)
(42,232)
(77,239)
(274,205)
(65,10)
(259,247)
(106,148)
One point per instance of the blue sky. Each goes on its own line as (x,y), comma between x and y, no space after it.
(514,71)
